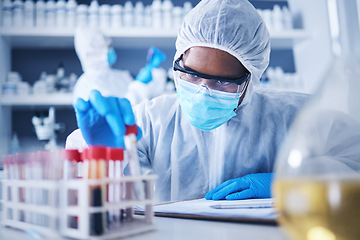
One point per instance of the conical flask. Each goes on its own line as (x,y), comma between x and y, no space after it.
(317,183)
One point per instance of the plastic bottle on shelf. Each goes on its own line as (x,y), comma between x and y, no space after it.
(10,85)
(277,18)
(18,13)
(177,16)
(187,7)
(71,6)
(15,144)
(128,14)
(116,16)
(60,13)
(156,14)
(94,14)
(50,83)
(139,14)
(50,14)
(40,9)
(287,18)
(29,7)
(81,15)
(104,16)
(7,12)
(72,80)
(23,88)
(147,17)
(167,8)
(40,85)
(60,72)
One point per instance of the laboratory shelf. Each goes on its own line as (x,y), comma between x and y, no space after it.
(64,38)
(56,99)
(125,38)
(288,39)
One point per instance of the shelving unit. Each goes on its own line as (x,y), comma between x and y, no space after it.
(56,99)
(288,39)
(55,38)
(134,38)
(128,38)
(124,38)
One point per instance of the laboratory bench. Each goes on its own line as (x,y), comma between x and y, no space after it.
(189,229)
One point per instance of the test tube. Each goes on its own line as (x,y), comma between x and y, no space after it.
(21,175)
(6,163)
(70,164)
(115,156)
(29,192)
(71,172)
(97,170)
(133,161)
(39,173)
(53,170)
(6,193)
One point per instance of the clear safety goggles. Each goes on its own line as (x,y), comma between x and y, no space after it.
(224,84)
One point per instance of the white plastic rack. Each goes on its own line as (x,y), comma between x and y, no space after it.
(56,216)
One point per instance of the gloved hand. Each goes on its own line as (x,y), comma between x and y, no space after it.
(154,58)
(102,119)
(144,75)
(257,185)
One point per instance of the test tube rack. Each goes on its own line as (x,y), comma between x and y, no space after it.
(55,217)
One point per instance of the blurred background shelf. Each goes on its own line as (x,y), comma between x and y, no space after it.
(55,38)
(56,99)
(135,38)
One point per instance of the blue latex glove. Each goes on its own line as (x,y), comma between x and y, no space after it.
(144,75)
(257,185)
(154,58)
(102,119)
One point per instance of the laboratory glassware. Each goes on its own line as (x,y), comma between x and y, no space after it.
(317,184)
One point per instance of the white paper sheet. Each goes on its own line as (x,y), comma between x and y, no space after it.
(201,208)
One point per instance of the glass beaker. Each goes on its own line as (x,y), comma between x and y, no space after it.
(317,183)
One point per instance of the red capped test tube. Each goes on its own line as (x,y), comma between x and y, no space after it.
(97,170)
(71,163)
(133,161)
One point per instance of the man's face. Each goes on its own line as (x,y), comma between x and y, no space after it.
(213,62)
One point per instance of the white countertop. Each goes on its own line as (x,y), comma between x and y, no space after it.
(186,229)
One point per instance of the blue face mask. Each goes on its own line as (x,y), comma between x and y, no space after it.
(202,110)
(112,57)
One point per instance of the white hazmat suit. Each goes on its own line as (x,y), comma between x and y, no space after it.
(92,48)
(189,161)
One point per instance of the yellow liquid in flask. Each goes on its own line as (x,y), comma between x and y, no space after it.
(318,209)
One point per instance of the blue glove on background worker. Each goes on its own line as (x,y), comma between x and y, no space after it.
(154,58)
(256,185)
(102,119)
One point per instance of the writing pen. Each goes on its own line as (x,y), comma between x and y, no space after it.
(243,205)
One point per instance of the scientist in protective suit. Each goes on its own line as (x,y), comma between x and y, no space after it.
(97,56)
(219,135)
